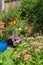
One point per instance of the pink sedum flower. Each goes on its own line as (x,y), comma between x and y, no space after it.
(17,41)
(17,56)
(34,43)
(37,50)
(40,47)
(24,51)
(39,37)
(29,38)
(27,56)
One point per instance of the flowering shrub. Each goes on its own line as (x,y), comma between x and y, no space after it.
(28,54)
(34,44)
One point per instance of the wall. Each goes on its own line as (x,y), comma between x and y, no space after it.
(4,5)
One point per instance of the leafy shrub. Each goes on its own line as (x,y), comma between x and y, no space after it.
(5,58)
(28,54)
(32,11)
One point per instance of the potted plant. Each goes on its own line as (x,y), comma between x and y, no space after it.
(3,40)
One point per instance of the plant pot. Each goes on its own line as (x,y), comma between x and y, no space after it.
(3,46)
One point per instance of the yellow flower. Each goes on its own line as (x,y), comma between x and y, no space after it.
(8,6)
(14,22)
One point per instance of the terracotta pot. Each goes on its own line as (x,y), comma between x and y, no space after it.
(2,25)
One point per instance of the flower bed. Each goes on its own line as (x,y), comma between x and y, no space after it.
(29,52)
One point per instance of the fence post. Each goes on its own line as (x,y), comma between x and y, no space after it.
(2,5)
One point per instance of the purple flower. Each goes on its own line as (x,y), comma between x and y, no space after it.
(19,39)
(13,39)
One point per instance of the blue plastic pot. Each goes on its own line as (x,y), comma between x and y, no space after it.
(3,46)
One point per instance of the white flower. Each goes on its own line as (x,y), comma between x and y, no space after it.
(20,29)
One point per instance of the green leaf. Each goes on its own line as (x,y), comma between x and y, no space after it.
(8,62)
(8,52)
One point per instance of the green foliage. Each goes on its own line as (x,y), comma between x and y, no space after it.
(15,56)
(8,52)
(5,58)
(36,57)
(29,10)
(7,33)
(32,11)
(6,15)
(4,35)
